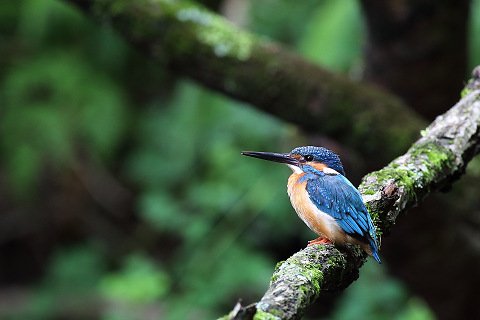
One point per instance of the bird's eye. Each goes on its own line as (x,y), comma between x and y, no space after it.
(308,157)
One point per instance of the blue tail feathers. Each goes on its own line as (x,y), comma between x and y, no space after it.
(373,246)
(376,256)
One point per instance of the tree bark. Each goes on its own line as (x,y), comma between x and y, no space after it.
(434,162)
(428,39)
(197,43)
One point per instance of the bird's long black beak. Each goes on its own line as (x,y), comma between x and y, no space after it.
(271,156)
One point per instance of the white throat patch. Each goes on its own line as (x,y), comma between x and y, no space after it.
(295,169)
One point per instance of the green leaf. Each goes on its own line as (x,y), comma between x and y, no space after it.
(334,35)
(139,281)
(474,34)
(55,104)
(161,211)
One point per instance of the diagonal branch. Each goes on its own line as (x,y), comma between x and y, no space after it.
(204,46)
(435,161)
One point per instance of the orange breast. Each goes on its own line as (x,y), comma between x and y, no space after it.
(318,221)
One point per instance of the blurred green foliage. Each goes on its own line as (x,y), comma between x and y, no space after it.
(45,115)
(195,185)
(333,20)
(139,281)
(380,297)
(474,31)
(205,220)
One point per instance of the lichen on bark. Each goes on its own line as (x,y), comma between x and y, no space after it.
(299,280)
(436,159)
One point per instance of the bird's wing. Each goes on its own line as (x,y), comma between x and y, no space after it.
(337,197)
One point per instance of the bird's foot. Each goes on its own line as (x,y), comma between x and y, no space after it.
(319,240)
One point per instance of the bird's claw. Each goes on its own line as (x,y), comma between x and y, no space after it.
(319,240)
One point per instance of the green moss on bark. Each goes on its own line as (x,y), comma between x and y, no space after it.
(262,315)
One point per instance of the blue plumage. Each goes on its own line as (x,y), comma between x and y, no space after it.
(331,159)
(337,197)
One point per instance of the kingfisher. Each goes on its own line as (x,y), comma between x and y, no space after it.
(324,198)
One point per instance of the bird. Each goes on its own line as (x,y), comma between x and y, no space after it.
(324,198)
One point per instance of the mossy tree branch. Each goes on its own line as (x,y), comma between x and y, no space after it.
(436,160)
(204,46)
(418,50)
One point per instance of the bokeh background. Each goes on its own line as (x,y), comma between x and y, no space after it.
(123,194)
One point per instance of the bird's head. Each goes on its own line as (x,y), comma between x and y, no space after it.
(302,158)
